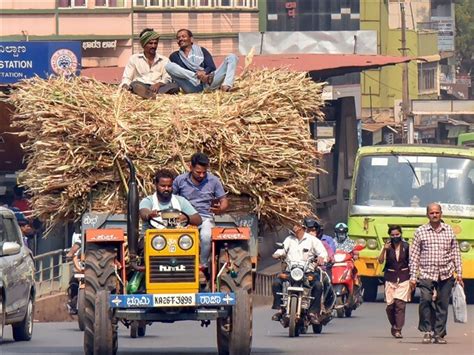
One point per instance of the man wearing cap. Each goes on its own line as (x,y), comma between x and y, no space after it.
(193,68)
(145,73)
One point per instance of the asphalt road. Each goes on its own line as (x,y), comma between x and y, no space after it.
(367,332)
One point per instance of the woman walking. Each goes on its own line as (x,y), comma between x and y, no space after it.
(397,278)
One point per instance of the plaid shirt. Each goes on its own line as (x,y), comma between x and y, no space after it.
(434,253)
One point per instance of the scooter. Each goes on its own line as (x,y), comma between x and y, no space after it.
(348,294)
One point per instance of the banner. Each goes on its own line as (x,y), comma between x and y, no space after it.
(22,60)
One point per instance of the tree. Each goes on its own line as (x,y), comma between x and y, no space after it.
(465,35)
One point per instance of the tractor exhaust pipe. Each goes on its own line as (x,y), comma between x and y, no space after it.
(132,215)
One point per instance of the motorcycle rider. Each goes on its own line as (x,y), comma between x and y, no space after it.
(74,255)
(344,243)
(300,246)
(314,228)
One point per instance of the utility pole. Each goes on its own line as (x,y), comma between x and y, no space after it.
(407,117)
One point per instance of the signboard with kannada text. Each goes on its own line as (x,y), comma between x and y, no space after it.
(23,60)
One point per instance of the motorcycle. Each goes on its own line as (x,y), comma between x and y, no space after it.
(296,298)
(348,295)
(76,302)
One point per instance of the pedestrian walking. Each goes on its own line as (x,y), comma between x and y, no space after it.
(395,254)
(436,260)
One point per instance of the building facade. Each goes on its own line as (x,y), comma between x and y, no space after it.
(109,29)
(382,89)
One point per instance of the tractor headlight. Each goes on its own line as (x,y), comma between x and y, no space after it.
(185,242)
(372,244)
(297,274)
(361,242)
(158,243)
(464,246)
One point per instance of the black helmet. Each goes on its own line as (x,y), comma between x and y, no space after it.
(311,223)
(341,228)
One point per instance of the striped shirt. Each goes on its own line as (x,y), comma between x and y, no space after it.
(434,254)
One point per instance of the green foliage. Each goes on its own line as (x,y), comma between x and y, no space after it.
(465,33)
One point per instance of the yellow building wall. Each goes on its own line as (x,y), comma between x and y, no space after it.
(382,87)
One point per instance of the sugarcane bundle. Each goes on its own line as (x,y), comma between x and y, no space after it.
(257,137)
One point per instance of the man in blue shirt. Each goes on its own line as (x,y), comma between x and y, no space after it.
(206,193)
(193,68)
(164,198)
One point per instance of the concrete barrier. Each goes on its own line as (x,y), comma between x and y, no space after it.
(52,308)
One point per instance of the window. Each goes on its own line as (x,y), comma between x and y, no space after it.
(10,231)
(194,3)
(427,76)
(441,8)
(72,3)
(110,3)
(418,179)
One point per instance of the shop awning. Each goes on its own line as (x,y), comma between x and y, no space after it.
(374,127)
(318,65)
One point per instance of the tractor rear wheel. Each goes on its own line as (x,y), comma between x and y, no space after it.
(99,275)
(234,333)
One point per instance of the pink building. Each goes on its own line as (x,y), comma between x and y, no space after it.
(108,29)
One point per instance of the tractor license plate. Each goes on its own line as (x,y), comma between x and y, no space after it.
(174,300)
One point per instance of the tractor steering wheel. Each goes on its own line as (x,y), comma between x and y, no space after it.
(169,218)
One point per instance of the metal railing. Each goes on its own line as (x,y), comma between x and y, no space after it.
(52,272)
(263,284)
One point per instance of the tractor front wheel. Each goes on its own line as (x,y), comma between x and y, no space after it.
(234,333)
(99,275)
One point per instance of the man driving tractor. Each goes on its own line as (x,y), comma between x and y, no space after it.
(164,198)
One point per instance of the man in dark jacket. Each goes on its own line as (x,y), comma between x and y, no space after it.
(193,68)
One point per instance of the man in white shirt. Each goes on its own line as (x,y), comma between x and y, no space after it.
(145,73)
(300,247)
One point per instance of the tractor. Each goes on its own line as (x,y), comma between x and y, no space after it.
(138,279)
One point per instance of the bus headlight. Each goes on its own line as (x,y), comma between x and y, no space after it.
(185,242)
(371,243)
(361,242)
(464,246)
(158,243)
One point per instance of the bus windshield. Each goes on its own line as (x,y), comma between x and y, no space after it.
(409,183)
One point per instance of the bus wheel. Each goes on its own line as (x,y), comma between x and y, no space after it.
(370,286)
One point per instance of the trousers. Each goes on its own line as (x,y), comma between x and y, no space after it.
(396,314)
(434,313)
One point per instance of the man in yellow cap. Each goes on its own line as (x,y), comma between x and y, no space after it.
(145,73)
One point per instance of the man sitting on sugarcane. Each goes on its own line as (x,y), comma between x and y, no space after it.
(193,68)
(145,73)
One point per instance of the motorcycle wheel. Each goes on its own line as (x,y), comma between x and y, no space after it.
(293,328)
(348,312)
(340,301)
(317,328)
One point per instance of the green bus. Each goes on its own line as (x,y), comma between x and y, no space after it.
(466,139)
(393,184)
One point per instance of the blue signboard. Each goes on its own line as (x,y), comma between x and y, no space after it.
(172,300)
(22,60)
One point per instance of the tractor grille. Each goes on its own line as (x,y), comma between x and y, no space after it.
(172,269)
